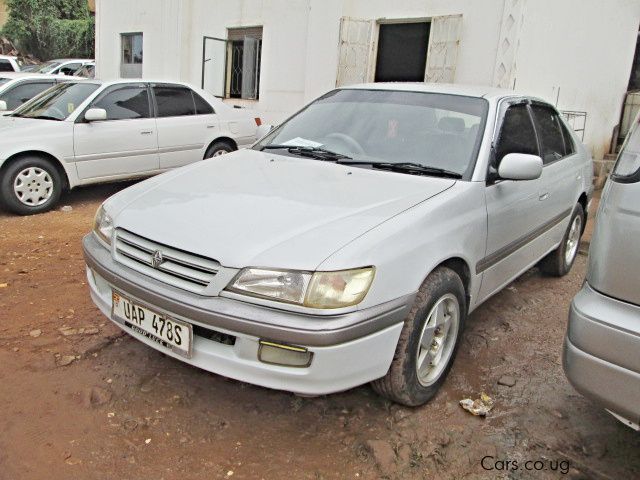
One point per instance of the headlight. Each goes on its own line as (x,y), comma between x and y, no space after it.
(103,226)
(317,290)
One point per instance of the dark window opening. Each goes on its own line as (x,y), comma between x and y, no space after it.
(402,52)
(244,66)
(5,66)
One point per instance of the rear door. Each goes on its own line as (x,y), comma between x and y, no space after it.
(561,180)
(126,143)
(186,124)
(513,213)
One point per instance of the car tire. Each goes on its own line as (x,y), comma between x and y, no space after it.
(405,382)
(221,147)
(559,262)
(30,185)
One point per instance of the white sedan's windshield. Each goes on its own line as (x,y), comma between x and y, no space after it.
(432,130)
(58,102)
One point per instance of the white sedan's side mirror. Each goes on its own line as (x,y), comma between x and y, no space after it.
(262,130)
(520,166)
(3,106)
(95,115)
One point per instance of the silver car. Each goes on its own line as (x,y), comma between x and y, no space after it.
(349,244)
(601,350)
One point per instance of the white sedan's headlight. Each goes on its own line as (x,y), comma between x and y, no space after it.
(311,289)
(103,225)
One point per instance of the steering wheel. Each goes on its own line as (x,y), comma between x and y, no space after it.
(350,142)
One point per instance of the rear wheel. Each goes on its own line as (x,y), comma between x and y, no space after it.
(560,261)
(30,185)
(219,148)
(428,342)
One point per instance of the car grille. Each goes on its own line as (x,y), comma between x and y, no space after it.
(178,268)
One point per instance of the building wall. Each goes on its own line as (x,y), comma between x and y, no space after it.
(573,53)
(4,13)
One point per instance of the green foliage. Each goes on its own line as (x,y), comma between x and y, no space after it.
(51,28)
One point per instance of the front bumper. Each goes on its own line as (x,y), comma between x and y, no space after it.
(600,356)
(348,349)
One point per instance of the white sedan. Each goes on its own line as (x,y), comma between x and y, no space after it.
(78,133)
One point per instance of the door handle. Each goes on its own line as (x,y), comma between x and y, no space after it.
(543,196)
(211,126)
(146,132)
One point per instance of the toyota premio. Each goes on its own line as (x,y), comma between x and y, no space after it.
(348,245)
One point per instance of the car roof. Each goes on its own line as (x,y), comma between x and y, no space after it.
(22,75)
(9,57)
(479,91)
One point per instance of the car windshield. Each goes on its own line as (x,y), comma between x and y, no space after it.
(46,67)
(426,131)
(58,102)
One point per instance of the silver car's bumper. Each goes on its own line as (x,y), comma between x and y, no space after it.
(348,349)
(601,352)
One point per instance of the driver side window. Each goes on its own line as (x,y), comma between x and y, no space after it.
(125,103)
(517,134)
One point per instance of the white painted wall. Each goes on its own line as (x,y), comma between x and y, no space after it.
(583,48)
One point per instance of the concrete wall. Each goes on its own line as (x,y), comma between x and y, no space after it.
(574,52)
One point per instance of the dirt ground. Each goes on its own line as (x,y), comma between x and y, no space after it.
(81,400)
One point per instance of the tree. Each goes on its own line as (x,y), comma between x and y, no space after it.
(51,28)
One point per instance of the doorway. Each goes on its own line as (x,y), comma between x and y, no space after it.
(402,52)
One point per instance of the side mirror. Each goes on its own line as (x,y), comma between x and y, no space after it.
(3,106)
(95,115)
(520,166)
(263,130)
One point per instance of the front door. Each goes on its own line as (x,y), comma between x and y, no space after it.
(124,144)
(513,207)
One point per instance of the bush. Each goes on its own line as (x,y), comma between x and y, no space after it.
(51,28)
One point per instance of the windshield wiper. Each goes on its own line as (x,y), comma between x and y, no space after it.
(411,167)
(308,151)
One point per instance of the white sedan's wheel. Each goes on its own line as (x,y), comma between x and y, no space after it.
(573,240)
(30,185)
(33,186)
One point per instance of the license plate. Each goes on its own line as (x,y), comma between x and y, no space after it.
(169,333)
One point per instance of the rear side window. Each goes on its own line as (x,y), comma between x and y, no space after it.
(174,101)
(549,132)
(24,92)
(202,106)
(517,134)
(125,103)
(569,146)
(5,66)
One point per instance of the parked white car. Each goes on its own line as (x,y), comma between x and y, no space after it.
(18,88)
(9,64)
(63,66)
(350,244)
(82,132)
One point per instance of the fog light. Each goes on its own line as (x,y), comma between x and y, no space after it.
(285,355)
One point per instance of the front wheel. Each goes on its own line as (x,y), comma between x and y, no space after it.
(559,262)
(30,185)
(428,342)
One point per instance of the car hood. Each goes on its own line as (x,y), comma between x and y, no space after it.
(251,208)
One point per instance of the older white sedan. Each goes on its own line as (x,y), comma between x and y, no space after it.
(84,132)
